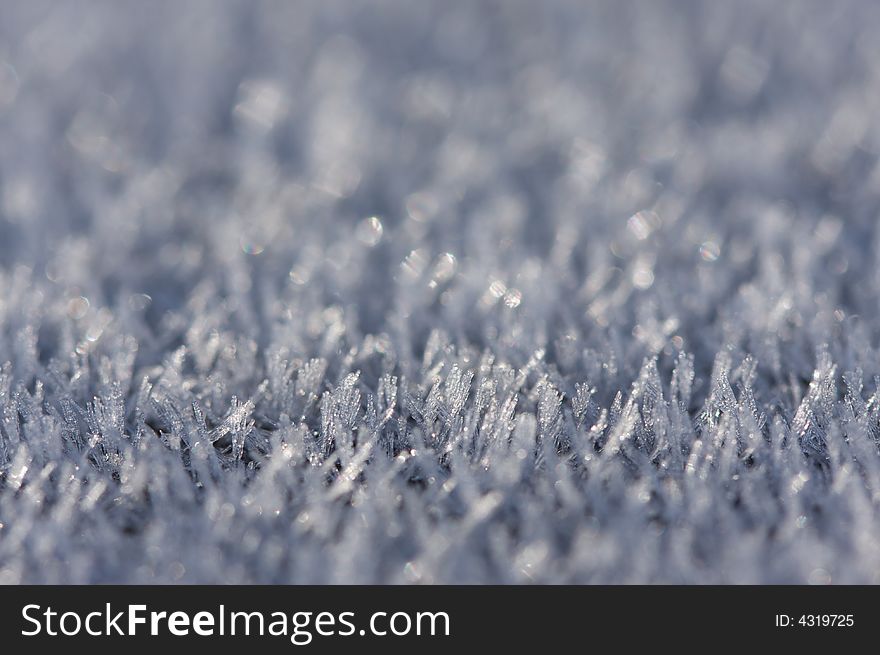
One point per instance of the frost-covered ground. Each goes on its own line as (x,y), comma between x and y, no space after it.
(439,292)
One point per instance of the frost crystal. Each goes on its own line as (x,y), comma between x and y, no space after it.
(439,292)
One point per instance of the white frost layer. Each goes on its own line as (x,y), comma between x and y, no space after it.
(439,292)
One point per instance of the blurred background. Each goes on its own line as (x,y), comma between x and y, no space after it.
(631,144)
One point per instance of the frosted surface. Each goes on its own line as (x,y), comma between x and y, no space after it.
(417,292)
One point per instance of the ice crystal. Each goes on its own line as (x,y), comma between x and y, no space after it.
(439,292)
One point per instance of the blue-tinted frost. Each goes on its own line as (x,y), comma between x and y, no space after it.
(439,292)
